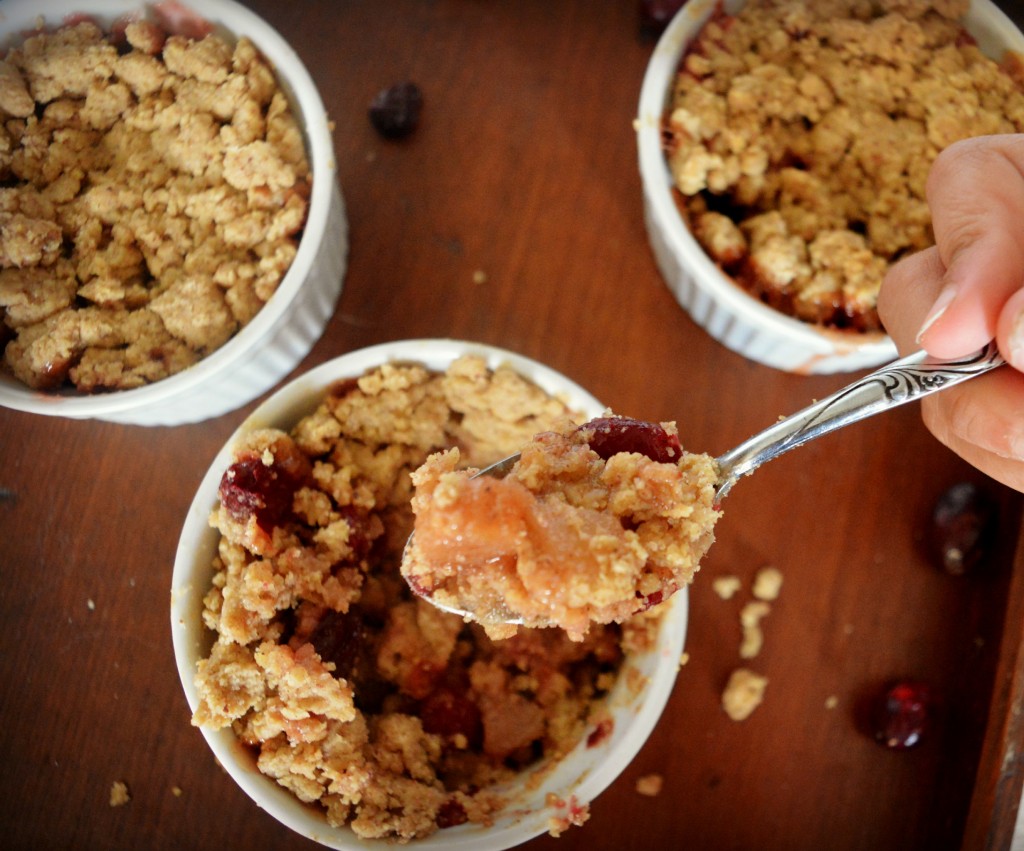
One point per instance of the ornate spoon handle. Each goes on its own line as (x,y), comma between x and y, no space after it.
(904,380)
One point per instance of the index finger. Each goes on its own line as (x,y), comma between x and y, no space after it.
(976,194)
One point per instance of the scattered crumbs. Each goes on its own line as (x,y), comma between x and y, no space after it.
(750,621)
(479,277)
(831,702)
(767,583)
(176,791)
(91,604)
(726,586)
(119,795)
(684,659)
(650,785)
(371,156)
(743,693)
(574,813)
(848,629)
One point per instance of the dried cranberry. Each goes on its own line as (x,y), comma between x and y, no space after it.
(608,436)
(341,639)
(602,731)
(450,814)
(902,715)
(963,527)
(395,111)
(649,601)
(250,487)
(654,15)
(448,712)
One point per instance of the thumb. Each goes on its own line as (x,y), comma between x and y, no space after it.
(976,194)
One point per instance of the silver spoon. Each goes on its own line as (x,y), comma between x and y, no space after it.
(905,380)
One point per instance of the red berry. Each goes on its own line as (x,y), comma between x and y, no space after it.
(395,111)
(903,714)
(451,813)
(450,712)
(963,527)
(341,638)
(608,436)
(655,15)
(250,487)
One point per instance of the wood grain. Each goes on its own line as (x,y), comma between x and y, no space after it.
(524,169)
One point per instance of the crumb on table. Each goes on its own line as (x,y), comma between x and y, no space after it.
(650,785)
(119,794)
(743,693)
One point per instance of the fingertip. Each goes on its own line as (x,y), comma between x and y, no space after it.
(955,326)
(1010,335)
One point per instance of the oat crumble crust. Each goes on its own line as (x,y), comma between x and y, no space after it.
(392,716)
(566,538)
(800,136)
(152,195)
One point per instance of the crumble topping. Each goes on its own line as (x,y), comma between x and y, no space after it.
(119,794)
(576,533)
(154,189)
(395,718)
(650,785)
(743,693)
(800,136)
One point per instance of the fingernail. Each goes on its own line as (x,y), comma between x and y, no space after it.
(944,300)
(1016,341)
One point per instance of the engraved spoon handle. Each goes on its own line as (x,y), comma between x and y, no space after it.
(904,380)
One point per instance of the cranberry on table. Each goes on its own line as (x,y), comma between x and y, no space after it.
(395,111)
(963,527)
(655,15)
(902,714)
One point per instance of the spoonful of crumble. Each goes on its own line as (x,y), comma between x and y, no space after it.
(601,521)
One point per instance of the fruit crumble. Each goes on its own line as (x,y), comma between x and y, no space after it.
(592,524)
(800,136)
(153,189)
(395,718)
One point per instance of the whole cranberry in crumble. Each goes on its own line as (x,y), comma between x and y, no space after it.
(252,487)
(608,436)
(450,712)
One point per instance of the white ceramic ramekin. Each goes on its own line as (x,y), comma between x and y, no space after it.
(716,303)
(286,328)
(635,703)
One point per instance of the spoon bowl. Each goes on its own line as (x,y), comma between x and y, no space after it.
(905,380)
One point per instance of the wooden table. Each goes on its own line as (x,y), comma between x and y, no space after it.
(524,168)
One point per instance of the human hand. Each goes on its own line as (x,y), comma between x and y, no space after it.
(953,298)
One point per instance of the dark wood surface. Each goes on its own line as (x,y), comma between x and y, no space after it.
(524,168)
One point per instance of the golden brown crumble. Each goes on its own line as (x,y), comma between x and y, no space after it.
(650,785)
(767,583)
(800,136)
(751,616)
(743,693)
(119,794)
(571,536)
(153,193)
(394,717)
